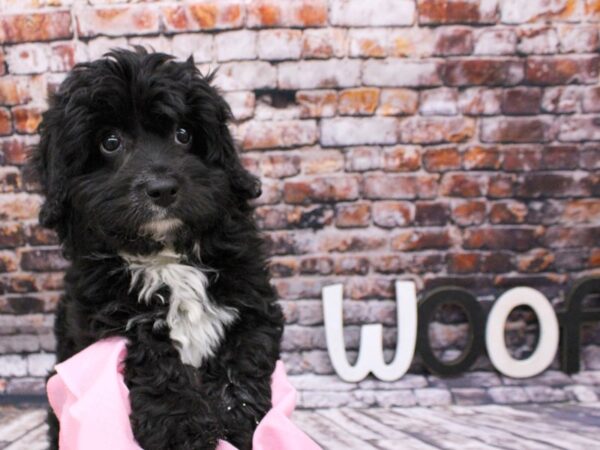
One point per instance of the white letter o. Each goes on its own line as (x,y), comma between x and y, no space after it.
(547,346)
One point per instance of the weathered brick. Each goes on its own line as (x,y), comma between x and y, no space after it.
(5,122)
(203,15)
(431,213)
(453,41)
(397,186)
(26,118)
(489,72)
(561,99)
(495,41)
(521,100)
(361,159)
(368,42)
(580,129)
(319,74)
(241,104)
(562,70)
(235,45)
(506,238)
(578,39)
(321,161)
(401,159)
(284,133)
(464,184)
(480,101)
(536,260)
(468,212)
(481,158)
(349,215)
(279,44)
(117,20)
(590,101)
(421,239)
(560,157)
(582,211)
(394,72)
(321,189)
(272,13)
(508,212)
(463,262)
(441,159)
(359,101)
(321,103)
(356,131)
(508,129)
(537,40)
(372,13)
(19,206)
(440,101)
(411,42)
(548,184)
(279,165)
(394,102)
(456,11)
(514,11)
(432,130)
(393,214)
(42,260)
(246,75)
(324,43)
(37,26)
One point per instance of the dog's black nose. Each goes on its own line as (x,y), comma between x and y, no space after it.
(162,191)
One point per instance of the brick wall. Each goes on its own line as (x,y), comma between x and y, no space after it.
(450,141)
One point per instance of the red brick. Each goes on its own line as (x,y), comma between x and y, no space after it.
(501,185)
(522,159)
(280,165)
(271,13)
(521,100)
(463,262)
(8,262)
(480,101)
(5,122)
(537,40)
(10,179)
(27,118)
(38,235)
(561,99)
(19,206)
(456,11)
(36,26)
(321,189)
(14,90)
(481,158)
(534,185)
(206,15)
(508,212)
(433,130)
(351,265)
(352,215)
(359,101)
(432,213)
(496,262)
(15,150)
(62,56)
(566,237)
(321,161)
(518,129)
(463,185)
(117,20)
(582,128)
(453,41)
(11,234)
(562,70)
(284,133)
(506,238)
(393,214)
(538,260)
(489,72)
(441,159)
(370,288)
(322,265)
(401,159)
(397,101)
(43,260)
(416,239)
(392,186)
(313,216)
(512,11)
(352,241)
(582,211)
(468,212)
(560,157)
(368,42)
(591,99)
(411,42)
(317,103)
(594,260)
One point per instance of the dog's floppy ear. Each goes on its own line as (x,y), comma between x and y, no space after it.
(50,167)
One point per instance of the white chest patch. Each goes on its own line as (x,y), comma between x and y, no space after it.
(197,325)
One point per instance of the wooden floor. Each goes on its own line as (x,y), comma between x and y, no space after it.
(558,426)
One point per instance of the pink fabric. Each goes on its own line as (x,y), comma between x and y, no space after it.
(90,399)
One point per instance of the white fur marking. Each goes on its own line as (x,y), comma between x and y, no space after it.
(197,325)
(160,228)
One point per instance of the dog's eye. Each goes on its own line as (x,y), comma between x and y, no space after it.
(183,136)
(110,143)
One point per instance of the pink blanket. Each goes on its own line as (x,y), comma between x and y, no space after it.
(91,401)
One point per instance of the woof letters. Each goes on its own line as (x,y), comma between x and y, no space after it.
(484,333)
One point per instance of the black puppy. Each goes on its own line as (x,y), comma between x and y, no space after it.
(150,202)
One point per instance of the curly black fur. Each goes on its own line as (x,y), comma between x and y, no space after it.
(97,205)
